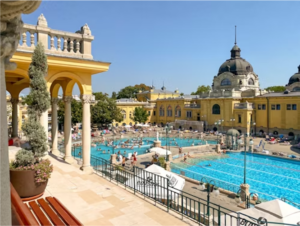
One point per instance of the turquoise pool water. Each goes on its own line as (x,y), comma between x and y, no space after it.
(268,176)
(147,143)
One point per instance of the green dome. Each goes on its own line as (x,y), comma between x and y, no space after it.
(233,132)
(295,77)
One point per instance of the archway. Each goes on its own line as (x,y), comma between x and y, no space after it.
(275,132)
(291,134)
(124,124)
(215,129)
(191,128)
(180,127)
(240,131)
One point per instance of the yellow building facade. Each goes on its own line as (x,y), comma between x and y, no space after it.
(235,100)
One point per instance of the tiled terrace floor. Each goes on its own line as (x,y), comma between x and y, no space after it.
(96,201)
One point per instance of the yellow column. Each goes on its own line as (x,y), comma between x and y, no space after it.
(86,133)
(67,130)
(14,102)
(54,126)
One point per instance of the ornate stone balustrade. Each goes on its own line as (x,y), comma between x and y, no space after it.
(56,42)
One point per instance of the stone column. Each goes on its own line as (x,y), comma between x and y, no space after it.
(54,126)
(86,133)
(14,103)
(67,130)
(11,26)
(245,191)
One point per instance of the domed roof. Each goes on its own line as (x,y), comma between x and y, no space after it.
(295,77)
(236,64)
(233,132)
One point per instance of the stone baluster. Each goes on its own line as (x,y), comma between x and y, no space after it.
(71,46)
(52,42)
(32,39)
(58,43)
(77,46)
(24,39)
(65,44)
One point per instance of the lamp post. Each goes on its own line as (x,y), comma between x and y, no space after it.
(167,140)
(232,121)
(209,187)
(252,124)
(204,116)
(245,158)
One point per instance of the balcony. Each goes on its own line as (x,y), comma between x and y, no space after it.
(59,43)
(192,106)
(247,106)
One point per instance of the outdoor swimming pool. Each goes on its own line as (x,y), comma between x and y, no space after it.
(270,177)
(147,143)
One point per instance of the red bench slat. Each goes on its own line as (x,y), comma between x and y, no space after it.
(61,212)
(31,213)
(39,214)
(51,214)
(71,215)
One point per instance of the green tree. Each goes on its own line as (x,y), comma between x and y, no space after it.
(27,100)
(105,111)
(76,111)
(40,102)
(276,88)
(181,94)
(114,95)
(201,89)
(140,115)
(131,91)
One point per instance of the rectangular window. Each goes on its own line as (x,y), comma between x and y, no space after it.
(148,112)
(154,113)
(189,114)
(240,118)
(273,107)
(277,106)
(259,106)
(263,107)
(288,107)
(294,106)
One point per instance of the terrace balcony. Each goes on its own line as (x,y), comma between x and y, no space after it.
(246,105)
(59,43)
(192,106)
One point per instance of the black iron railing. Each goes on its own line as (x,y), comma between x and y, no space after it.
(162,191)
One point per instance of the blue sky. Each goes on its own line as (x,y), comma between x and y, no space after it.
(181,43)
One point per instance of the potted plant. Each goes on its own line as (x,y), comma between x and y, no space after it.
(29,173)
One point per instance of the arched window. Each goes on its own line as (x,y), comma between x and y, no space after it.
(161,111)
(124,114)
(117,124)
(216,109)
(178,111)
(251,82)
(169,111)
(130,115)
(291,134)
(124,124)
(130,123)
(226,82)
(297,88)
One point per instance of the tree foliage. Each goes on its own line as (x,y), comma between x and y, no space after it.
(39,102)
(201,89)
(131,91)
(276,88)
(140,115)
(76,111)
(105,111)
(114,95)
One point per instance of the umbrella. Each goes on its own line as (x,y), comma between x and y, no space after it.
(275,211)
(154,186)
(127,126)
(160,151)
(138,124)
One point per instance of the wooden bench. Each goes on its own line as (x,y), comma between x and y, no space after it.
(49,211)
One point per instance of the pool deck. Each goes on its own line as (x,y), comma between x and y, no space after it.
(96,201)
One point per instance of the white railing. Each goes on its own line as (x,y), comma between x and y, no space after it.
(56,42)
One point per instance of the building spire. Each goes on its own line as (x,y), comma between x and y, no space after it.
(235,36)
